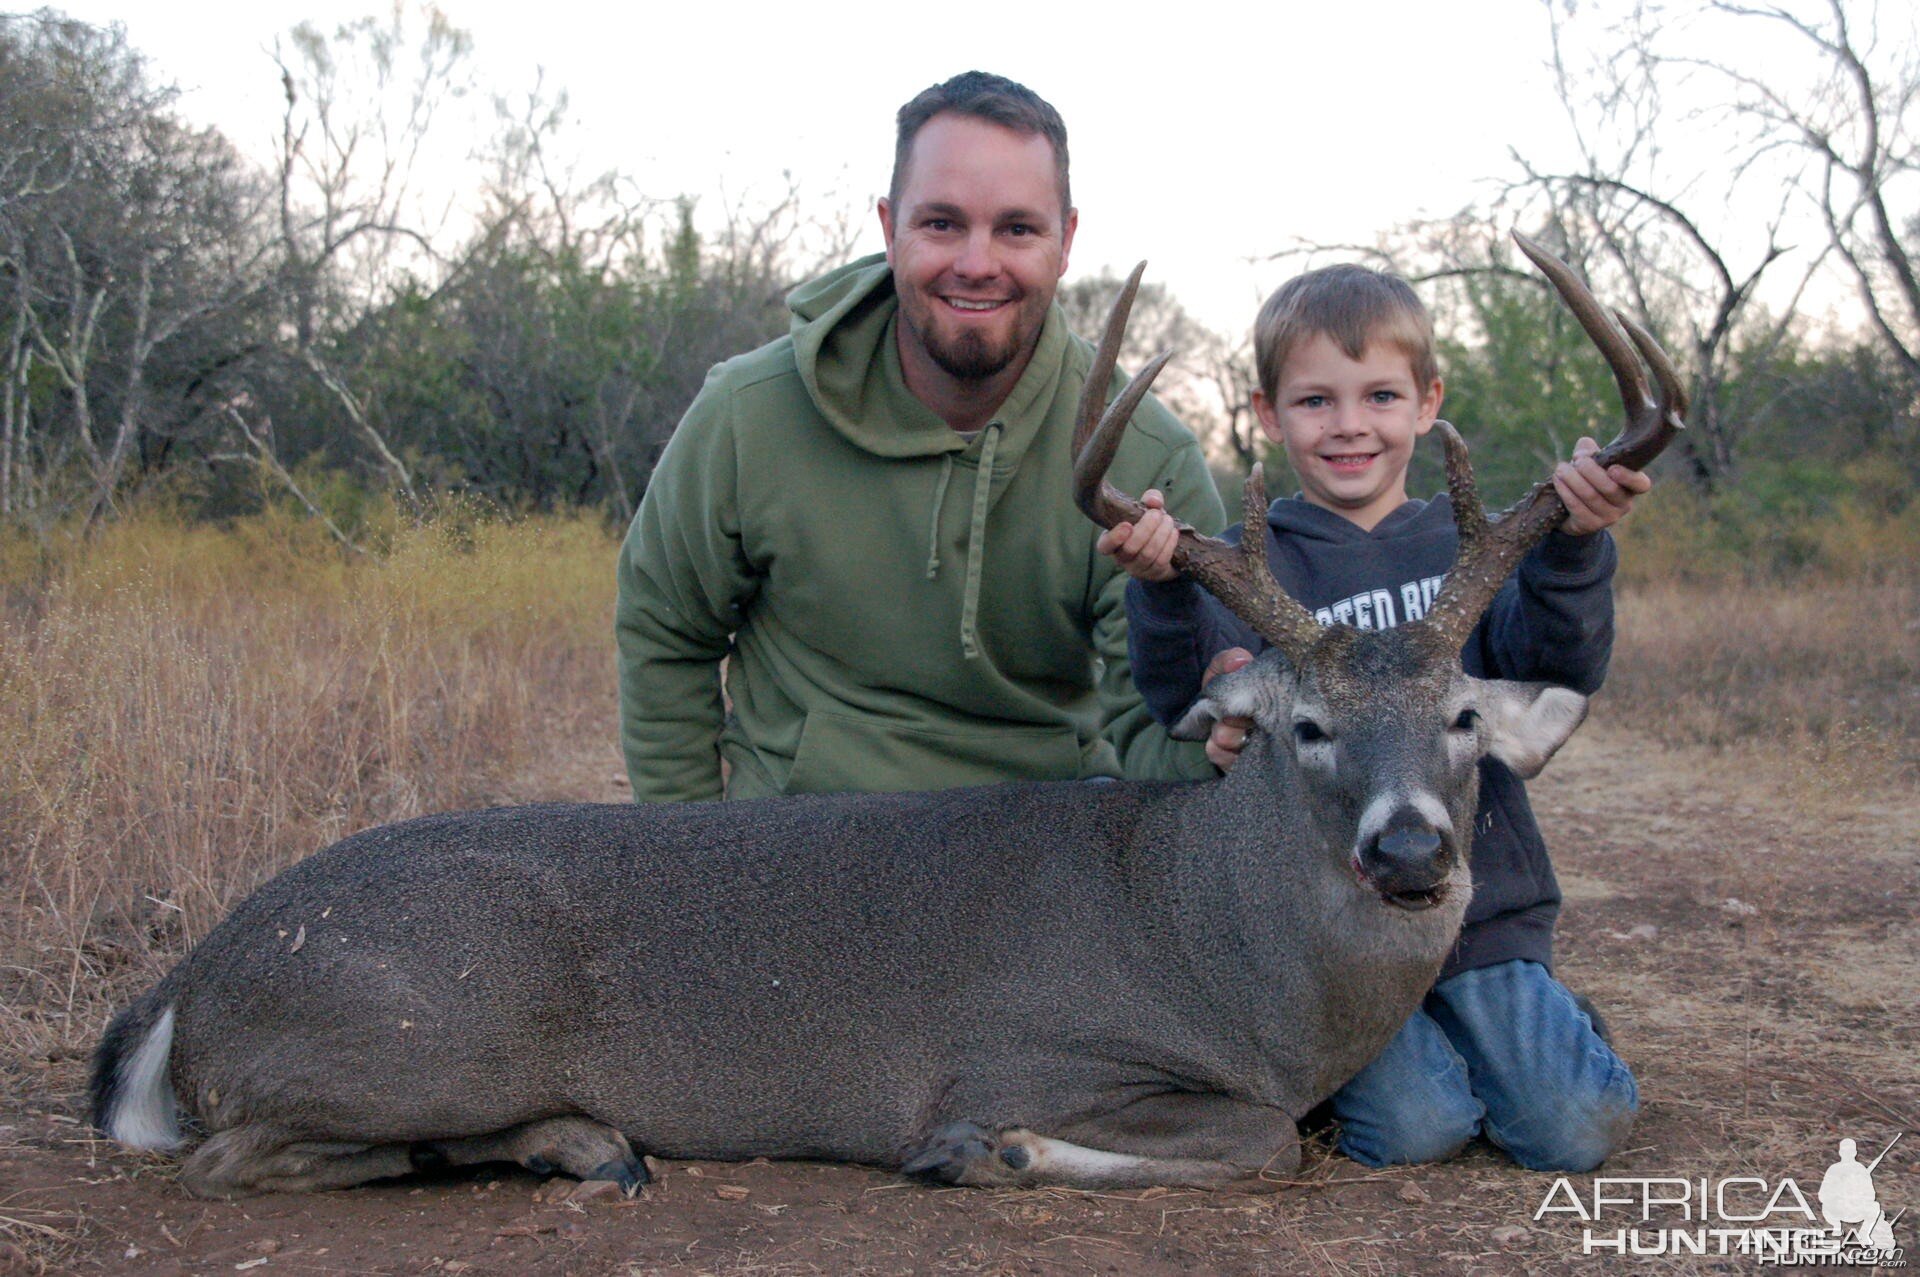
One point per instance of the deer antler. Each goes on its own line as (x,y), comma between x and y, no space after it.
(1491,548)
(1236,575)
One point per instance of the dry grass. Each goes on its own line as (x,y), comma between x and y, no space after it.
(186,710)
(1822,676)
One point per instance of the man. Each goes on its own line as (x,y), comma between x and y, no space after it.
(870,517)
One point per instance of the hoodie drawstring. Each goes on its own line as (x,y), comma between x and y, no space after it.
(976,543)
(939,498)
(976,537)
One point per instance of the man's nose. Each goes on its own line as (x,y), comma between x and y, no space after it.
(977,258)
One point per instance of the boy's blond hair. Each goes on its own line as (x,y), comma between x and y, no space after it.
(1352,306)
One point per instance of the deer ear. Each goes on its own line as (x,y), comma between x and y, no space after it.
(1528,722)
(1252,691)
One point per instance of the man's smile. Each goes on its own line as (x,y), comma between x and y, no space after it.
(976,305)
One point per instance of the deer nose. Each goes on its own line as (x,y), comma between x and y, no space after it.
(1407,865)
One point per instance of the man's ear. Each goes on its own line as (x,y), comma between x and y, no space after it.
(1528,722)
(1254,691)
(884,207)
(1068,225)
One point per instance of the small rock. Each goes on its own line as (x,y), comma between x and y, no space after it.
(1509,1235)
(595,1190)
(731,1192)
(266,1246)
(1414,1194)
(133,1252)
(1739,908)
(653,1165)
(695,1171)
(1645,931)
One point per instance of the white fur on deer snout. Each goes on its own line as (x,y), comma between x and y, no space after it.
(144,1113)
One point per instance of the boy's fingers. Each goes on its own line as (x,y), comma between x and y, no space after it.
(1153,500)
(1633,481)
(1113,538)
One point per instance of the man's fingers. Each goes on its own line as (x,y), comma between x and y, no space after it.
(1226,740)
(1225,662)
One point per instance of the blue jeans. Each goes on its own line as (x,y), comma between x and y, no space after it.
(1500,1051)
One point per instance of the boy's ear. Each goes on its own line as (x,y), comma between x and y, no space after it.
(1430,405)
(1269,418)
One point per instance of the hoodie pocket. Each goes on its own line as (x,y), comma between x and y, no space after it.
(842,752)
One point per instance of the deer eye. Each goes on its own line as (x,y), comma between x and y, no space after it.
(1307,732)
(1468,720)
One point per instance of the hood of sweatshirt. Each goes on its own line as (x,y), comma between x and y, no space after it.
(847,350)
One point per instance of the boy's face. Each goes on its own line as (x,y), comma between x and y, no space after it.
(1348,425)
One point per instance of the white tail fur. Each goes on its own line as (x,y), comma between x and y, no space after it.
(143,1113)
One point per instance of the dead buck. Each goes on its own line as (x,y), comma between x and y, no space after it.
(1089,985)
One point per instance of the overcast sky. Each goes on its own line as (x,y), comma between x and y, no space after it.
(1202,136)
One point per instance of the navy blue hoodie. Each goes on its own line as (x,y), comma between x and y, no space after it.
(1552,622)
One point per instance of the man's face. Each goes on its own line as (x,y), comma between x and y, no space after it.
(977,241)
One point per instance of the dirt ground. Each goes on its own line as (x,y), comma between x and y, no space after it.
(1750,933)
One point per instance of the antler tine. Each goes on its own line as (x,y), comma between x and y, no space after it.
(1490,549)
(1237,576)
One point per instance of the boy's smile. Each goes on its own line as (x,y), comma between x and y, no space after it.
(1349,425)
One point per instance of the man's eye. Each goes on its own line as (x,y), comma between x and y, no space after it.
(939,224)
(1019,228)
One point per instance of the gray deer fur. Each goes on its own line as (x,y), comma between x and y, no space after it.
(1088,984)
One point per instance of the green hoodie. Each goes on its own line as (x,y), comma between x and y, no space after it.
(904,607)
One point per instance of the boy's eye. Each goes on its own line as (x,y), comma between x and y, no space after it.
(1385,396)
(1313,401)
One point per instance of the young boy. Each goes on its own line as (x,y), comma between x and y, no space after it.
(1348,382)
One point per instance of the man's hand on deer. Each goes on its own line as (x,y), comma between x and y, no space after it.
(1229,735)
(1596,496)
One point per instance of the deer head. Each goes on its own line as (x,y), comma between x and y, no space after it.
(1377,735)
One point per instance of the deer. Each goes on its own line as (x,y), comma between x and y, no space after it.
(1087,985)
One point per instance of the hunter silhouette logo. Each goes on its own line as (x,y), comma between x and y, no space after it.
(1847,1200)
(1773,1221)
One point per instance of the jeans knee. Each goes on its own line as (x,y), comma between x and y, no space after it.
(1575,1133)
(1431,1138)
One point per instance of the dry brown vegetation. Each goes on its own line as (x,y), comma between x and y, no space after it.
(185,710)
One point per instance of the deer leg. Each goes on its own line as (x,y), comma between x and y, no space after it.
(577,1146)
(1176,1138)
(259,1158)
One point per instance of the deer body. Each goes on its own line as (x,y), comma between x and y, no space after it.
(834,977)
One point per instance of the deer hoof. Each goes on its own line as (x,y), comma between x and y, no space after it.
(628,1172)
(950,1152)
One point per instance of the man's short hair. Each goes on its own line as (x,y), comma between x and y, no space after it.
(1352,306)
(989,97)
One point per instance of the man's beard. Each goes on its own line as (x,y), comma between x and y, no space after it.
(969,357)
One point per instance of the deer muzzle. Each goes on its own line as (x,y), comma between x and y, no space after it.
(1407,865)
